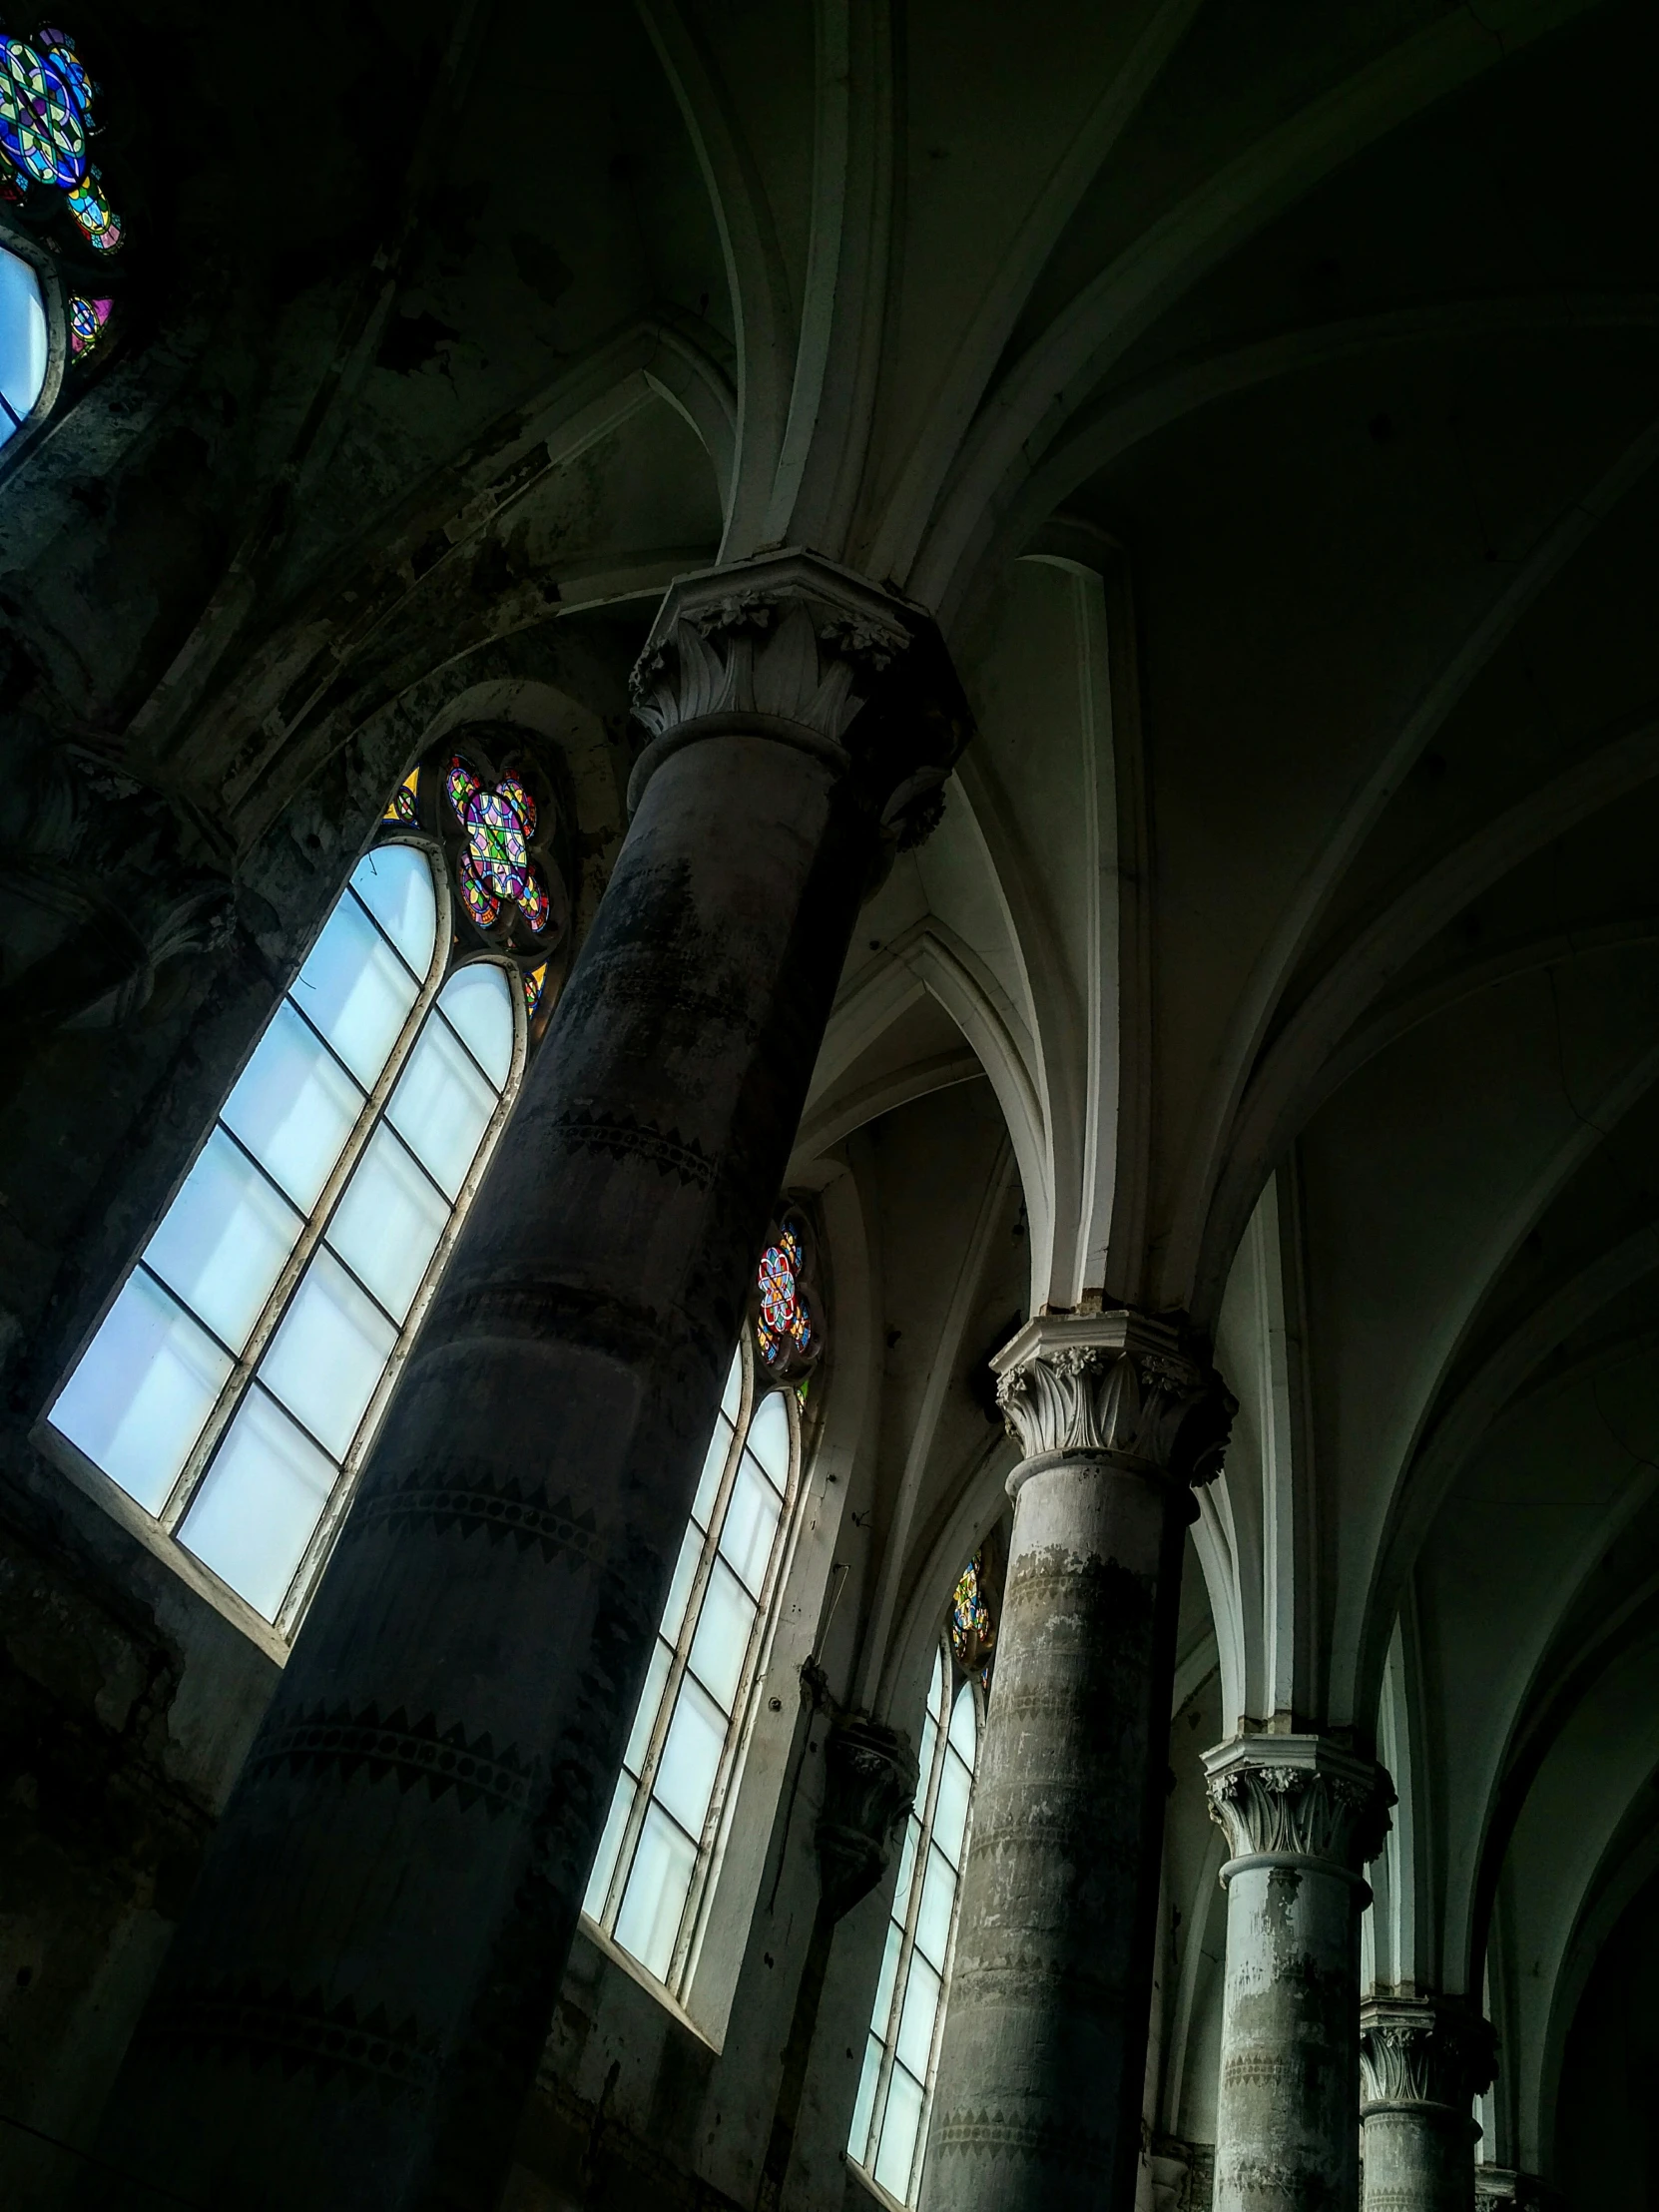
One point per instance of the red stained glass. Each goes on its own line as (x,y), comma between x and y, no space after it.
(499,820)
(782,1324)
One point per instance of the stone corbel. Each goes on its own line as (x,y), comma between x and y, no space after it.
(1134,1388)
(869,1784)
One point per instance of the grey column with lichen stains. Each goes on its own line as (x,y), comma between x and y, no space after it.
(353,2009)
(1423,2062)
(1303,1816)
(1036,2105)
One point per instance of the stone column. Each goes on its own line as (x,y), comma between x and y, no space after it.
(353,2009)
(1423,2062)
(1302,1816)
(1037,2102)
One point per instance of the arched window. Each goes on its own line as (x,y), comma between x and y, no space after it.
(650,1883)
(233,1386)
(890,2118)
(61,238)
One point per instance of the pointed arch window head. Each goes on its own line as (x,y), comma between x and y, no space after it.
(650,1887)
(233,1388)
(889,2117)
(61,237)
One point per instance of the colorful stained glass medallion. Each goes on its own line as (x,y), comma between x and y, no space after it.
(404,800)
(535,982)
(43,110)
(496,869)
(972,1629)
(87,319)
(782,1324)
(90,206)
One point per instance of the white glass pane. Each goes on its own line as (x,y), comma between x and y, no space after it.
(254,1512)
(751,1523)
(394,883)
(599,1882)
(916,2021)
(900,2125)
(441,1104)
(950,1808)
(22,338)
(293,1107)
(645,1714)
(655,1897)
(930,1751)
(732,1396)
(938,1894)
(388,1225)
(145,1385)
(691,1756)
(477,1001)
(356,990)
(674,1612)
(223,1240)
(331,1349)
(722,1639)
(906,1869)
(857,2140)
(880,2017)
(713,1466)
(936,1686)
(964,1725)
(768,1437)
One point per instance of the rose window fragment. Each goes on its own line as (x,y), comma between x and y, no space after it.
(495,869)
(782,1326)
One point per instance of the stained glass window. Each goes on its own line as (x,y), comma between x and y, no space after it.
(233,1386)
(498,824)
(402,806)
(890,2118)
(973,1630)
(648,1888)
(784,1334)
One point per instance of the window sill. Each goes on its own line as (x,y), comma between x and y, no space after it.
(615,1956)
(872,2187)
(112,1499)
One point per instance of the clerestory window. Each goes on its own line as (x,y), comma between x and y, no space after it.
(890,2118)
(649,1886)
(233,1386)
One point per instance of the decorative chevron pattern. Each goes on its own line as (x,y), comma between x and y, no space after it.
(299,2033)
(504,1511)
(626,1138)
(410,1753)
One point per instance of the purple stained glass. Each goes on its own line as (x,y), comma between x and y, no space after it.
(484,909)
(500,822)
(42,121)
(87,319)
(513,792)
(91,209)
(782,1322)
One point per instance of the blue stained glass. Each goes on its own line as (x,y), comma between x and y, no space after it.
(42,122)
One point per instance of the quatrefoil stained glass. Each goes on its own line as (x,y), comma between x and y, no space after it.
(495,869)
(46,118)
(782,1325)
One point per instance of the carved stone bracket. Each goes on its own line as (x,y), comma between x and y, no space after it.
(1119,1383)
(869,1784)
(1503,2185)
(1299,1796)
(792,646)
(1423,2050)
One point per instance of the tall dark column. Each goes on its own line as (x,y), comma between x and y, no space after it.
(1037,2103)
(353,2009)
(1423,2062)
(1302,1816)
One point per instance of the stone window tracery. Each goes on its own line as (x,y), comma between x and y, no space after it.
(230,1392)
(62,238)
(890,2118)
(650,1885)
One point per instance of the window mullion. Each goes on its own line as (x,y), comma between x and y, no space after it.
(907,1932)
(183,1493)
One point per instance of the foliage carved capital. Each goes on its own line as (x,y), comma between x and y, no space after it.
(1119,1383)
(1299,1796)
(1423,2050)
(788,645)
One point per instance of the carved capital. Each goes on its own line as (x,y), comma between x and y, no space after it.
(792,646)
(1117,1382)
(1423,2050)
(1503,2185)
(869,1784)
(1297,1797)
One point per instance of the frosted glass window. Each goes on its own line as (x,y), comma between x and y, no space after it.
(889,2120)
(230,1386)
(680,1767)
(22,342)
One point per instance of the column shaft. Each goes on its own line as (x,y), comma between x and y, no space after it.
(1036,2107)
(353,2009)
(1423,2062)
